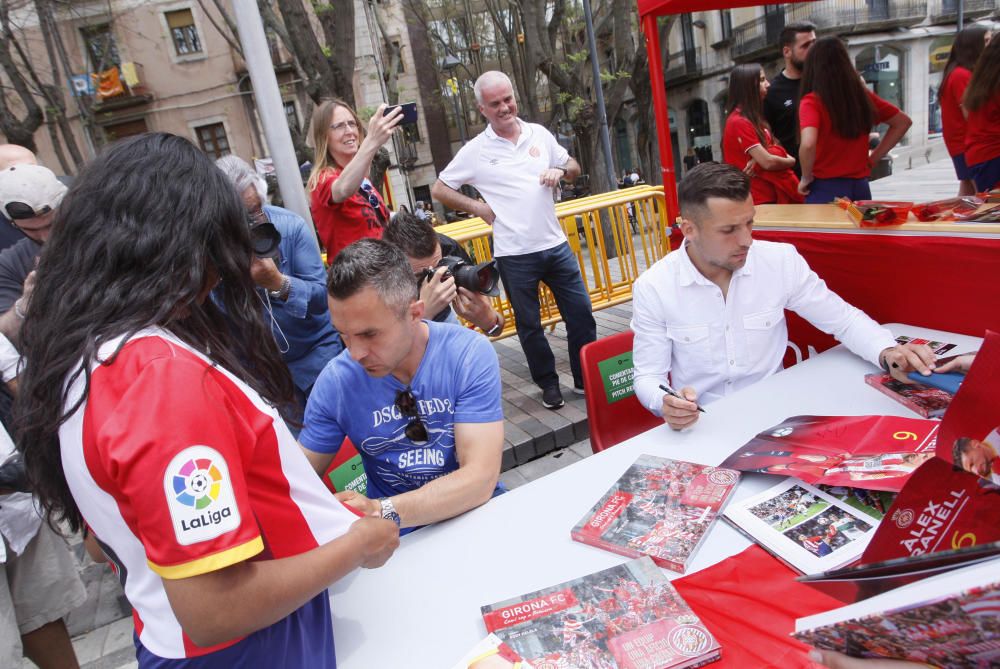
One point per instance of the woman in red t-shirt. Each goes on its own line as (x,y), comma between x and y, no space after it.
(345,205)
(982,130)
(836,113)
(964,53)
(747,143)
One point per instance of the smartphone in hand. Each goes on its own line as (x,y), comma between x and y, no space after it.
(409,112)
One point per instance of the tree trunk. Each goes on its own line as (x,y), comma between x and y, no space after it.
(321,82)
(17,130)
(337,20)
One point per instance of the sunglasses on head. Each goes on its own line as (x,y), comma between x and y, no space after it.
(407,405)
(19,211)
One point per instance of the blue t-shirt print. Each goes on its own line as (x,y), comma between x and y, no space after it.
(458,381)
(404,464)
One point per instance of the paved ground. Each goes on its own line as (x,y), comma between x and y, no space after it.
(923,183)
(538,441)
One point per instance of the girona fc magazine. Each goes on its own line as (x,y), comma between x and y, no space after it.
(625,617)
(659,507)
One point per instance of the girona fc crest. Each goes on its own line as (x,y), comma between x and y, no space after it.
(689,640)
(903,518)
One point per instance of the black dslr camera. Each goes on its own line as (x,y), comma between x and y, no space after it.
(483,278)
(264,237)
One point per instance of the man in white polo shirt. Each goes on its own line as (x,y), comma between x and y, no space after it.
(712,314)
(516,166)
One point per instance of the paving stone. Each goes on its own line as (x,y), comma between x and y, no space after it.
(513,479)
(546,465)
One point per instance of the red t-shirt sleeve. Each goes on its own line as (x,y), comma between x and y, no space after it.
(809,111)
(321,194)
(883,110)
(172,447)
(742,133)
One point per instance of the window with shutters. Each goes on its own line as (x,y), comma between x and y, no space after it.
(183,32)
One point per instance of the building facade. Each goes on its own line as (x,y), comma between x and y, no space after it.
(900,48)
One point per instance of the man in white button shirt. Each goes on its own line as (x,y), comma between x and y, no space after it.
(711,315)
(516,166)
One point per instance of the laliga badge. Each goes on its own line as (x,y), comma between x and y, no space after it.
(200,495)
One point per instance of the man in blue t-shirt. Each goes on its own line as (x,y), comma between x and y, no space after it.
(420,400)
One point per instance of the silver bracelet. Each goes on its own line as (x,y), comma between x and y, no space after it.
(281,293)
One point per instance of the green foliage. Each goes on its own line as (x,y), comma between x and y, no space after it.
(365,113)
(327,52)
(612,77)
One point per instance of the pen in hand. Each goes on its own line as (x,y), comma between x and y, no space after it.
(673,393)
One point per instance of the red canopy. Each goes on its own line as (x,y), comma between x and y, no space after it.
(648,11)
(664,7)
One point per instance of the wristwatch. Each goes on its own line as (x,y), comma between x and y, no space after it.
(388,510)
(564,170)
(496,329)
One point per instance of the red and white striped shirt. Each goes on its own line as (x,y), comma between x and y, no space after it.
(182,469)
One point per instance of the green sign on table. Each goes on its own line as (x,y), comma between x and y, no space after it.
(617,373)
(350,475)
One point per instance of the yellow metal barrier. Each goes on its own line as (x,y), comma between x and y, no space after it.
(638,232)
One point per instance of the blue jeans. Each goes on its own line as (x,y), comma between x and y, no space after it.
(822,191)
(558,269)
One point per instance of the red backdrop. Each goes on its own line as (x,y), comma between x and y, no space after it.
(939,282)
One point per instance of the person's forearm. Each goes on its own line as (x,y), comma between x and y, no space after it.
(898,125)
(349,181)
(447,496)
(572,170)
(807,159)
(10,325)
(453,199)
(256,594)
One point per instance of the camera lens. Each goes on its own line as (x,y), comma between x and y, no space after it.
(482,278)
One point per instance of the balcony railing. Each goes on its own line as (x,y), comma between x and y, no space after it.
(124,88)
(946,11)
(866,15)
(760,37)
(757,37)
(683,65)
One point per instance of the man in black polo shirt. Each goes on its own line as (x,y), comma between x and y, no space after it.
(781,106)
(424,248)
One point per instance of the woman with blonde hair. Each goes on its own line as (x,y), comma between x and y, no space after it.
(345,205)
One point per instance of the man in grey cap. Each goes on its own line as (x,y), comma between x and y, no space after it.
(29,195)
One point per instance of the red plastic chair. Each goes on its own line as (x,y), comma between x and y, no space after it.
(611,422)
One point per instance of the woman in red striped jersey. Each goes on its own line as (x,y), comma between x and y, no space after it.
(149,413)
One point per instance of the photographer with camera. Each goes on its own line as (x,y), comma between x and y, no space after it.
(430,255)
(292,280)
